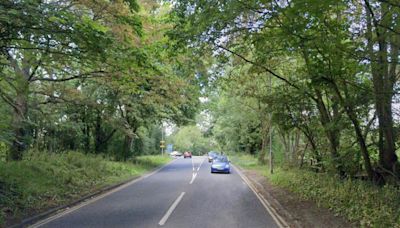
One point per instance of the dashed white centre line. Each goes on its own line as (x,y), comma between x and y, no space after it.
(193,177)
(200,165)
(171,209)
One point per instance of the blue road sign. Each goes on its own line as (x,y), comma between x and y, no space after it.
(170,148)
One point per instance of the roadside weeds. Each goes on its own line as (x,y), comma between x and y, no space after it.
(83,202)
(295,211)
(92,176)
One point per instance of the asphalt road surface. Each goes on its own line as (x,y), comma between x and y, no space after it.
(182,194)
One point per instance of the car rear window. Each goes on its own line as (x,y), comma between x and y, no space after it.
(223,159)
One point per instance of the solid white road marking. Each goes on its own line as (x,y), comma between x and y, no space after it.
(278,219)
(171,209)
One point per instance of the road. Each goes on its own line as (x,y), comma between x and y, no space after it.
(182,194)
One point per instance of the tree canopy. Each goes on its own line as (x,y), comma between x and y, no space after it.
(319,80)
(333,67)
(96,76)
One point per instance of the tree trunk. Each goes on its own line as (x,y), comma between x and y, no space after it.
(86,130)
(87,137)
(98,134)
(20,142)
(295,146)
(302,155)
(310,138)
(20,109)
(331,133)
(383,78)
(127,147)
(359,135)
(285,138)
(261,156)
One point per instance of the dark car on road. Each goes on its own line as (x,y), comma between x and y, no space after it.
(212,155)
(220,164)
(187,154)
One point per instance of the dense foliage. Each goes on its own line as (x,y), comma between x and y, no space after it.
(307,85)
(191,138)
(95,76)
(321,75)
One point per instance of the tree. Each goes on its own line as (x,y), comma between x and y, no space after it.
(323,45)
(90,75)
(50,42)
(190,138)
(383,31)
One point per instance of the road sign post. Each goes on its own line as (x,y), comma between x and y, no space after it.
(162,142)
(162,146)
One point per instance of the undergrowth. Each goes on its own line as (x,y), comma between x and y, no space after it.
(45,180)
(359,201)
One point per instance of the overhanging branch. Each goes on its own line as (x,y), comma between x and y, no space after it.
(267,70)
(94,74)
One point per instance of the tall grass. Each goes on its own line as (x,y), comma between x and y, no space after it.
(359,201)
(44,180)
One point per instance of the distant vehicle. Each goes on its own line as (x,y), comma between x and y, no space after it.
(220,164)
(187,154)
(176,154)
(211,156)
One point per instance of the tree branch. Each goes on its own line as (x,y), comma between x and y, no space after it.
(94,74)
(8,100)
(267,70)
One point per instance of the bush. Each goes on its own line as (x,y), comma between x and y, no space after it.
(3,152)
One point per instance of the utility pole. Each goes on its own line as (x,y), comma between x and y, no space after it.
(271,168)
(162,142)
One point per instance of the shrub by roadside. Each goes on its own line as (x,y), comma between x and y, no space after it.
(359,201)
(44,180)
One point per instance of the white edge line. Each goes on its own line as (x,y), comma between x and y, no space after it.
(92,200)
(171,209)
(278,219)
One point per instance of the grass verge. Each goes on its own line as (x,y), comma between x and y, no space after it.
(359,201)
(44,180)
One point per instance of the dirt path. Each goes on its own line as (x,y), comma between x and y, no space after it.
(296,212)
